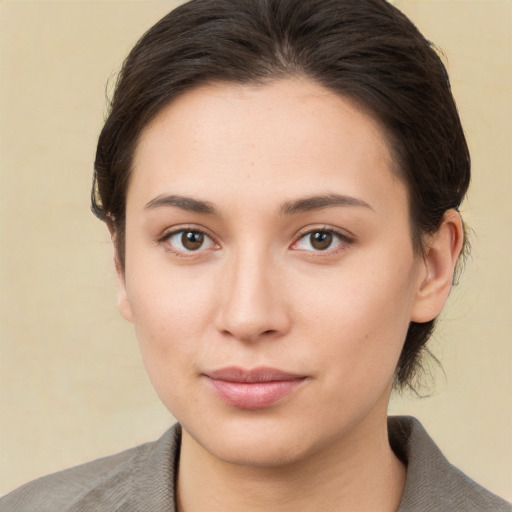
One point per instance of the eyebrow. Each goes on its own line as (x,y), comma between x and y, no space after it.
(185,203)
(294,207)
(319,202)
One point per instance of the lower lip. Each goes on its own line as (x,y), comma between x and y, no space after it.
(254,395)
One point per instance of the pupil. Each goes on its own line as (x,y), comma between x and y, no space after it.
(321,240)
(192,240)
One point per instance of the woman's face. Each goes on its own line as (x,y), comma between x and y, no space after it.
(269,272)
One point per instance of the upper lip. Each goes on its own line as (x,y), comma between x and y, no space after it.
(260,374)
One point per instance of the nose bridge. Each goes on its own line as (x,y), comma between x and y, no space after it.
(251,305)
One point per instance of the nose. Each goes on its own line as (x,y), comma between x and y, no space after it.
(252,305)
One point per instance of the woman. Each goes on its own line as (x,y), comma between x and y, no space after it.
(281,182)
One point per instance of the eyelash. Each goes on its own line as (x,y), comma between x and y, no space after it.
(165,240)
(342,241)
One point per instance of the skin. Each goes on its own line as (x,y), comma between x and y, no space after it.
(258,293)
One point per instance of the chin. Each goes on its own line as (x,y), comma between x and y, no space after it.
(269,453)
(259,441)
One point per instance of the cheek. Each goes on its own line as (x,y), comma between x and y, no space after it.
(359,322)
(169,319)
(170,312)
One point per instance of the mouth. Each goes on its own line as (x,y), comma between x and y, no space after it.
(257,388)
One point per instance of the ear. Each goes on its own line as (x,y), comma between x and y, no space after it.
(435,281)
(123,303)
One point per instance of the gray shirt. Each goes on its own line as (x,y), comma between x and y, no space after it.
(142,479)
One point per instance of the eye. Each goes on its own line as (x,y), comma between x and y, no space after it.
(320,240)
(189,240)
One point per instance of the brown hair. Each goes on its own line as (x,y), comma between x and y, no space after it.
(366,50)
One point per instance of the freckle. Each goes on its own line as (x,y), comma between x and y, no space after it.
(365,338)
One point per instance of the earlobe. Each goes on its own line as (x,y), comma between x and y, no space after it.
(123,303)
(435,281)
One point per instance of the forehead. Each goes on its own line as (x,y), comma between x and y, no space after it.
(289,135)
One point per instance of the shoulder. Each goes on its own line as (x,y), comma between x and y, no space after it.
(116,483)
(433,483)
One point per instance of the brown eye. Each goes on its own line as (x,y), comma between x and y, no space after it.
(320,240)
(192,240)
(188,241)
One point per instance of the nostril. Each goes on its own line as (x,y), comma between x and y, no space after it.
(250,335)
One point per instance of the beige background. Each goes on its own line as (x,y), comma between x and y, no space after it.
(72,385)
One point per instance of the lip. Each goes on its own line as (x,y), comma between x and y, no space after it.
(256,388)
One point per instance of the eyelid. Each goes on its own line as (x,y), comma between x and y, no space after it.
(344,238)
(170,232)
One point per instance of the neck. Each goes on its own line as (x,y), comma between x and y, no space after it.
(358,473)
